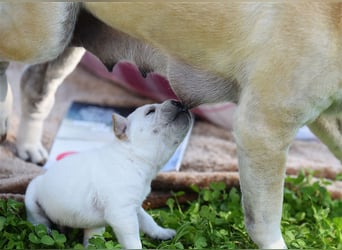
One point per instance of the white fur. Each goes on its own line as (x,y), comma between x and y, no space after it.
(107,186)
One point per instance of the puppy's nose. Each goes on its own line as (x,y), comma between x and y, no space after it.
(179,105)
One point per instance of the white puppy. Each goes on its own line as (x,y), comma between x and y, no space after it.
(107,186)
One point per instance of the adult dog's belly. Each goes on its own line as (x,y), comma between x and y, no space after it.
(184,30)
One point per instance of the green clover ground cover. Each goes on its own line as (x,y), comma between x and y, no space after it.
(310,220)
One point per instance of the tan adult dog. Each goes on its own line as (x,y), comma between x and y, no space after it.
(281,62)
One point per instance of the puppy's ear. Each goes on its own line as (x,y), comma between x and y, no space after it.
(119,126)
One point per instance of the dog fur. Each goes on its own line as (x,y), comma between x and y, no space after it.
(280,62)
(107,186)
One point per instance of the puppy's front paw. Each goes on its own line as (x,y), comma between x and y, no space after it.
(33,152)
(165,234)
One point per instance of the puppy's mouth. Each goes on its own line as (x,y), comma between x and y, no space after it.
(180,114)
(174,112)
(181,110)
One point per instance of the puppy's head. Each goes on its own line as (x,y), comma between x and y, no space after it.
(154,131)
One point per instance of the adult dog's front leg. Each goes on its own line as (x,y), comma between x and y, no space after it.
(38,86)
(5,101)
(262,143)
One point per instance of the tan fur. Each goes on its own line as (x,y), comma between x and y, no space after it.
(31,32)
(218,41)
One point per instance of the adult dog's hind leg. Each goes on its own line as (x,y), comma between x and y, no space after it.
(5,100)
(38,86)
(328,128)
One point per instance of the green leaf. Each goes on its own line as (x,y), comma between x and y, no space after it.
(40,230)
(47,240)
(33,238)
(78,246)
(218,186)
(179,245)
(59,238)
(171,204)
(195,188)
(206,195)
(339,177)
(201,242)
(2,223)
(111,245)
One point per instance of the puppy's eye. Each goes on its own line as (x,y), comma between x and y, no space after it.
(150,111)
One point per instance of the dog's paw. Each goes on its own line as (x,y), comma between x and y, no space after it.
(34,153)
(165,234)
